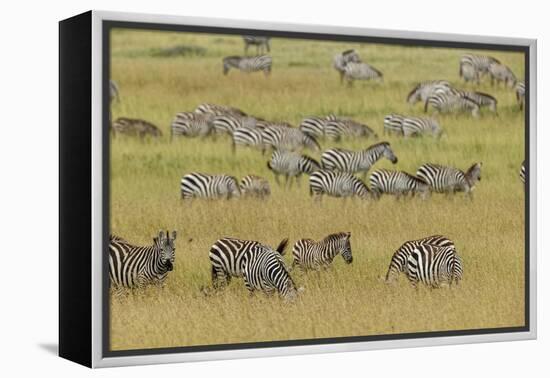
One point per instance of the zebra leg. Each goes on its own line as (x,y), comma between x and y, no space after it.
(277,179)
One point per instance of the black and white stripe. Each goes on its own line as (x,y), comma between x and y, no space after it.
(228,123)
(248,64)
(444,179)
(217,110)
(393,124)
(337,184)
(361,71)
(398,183)
(261,43)
(424,90)
(265,270)
(131,266)
(199,185)
(356,161)
(315,126)
(340,61)
(288,138)
(502,74)
(416,126)
(434,266)
(522,172)
(337,129)
(135,127)
(192,124)
(520,94)
(248,136)
(481,99)
(291,165)
(254,186)
(472,66)
(399,259)
(311,254)
(227,257)
(452,102)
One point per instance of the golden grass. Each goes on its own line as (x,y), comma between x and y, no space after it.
(346,300)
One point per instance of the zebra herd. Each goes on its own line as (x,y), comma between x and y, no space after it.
(432,261)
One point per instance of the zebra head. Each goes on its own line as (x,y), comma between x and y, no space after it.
(473,174)
(414,95)
(388,153)
(345,248)
(167,247)
(233,188)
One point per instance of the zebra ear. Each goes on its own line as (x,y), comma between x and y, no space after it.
(348,234)
(161,235)
(174,235)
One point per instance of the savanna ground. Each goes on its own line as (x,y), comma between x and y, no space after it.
(346,300)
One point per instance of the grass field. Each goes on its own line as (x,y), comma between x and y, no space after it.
(346,300)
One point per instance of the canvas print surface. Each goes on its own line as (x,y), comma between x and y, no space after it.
(268,189)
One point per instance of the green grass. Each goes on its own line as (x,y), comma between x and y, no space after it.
(347,299)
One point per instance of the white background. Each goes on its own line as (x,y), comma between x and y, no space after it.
(29,189)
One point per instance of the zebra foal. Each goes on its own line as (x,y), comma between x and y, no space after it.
(254,186)
(311,254)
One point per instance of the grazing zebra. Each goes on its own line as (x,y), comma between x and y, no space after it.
(415,126)
(361,71)
(424,90)
(399,259)
(393,123)
(136,127)
(340,61)
(288,139)
(501,73)
(434,266)
(248,64)
(471,66)
(337,129)
(248,136)
(399,183)
(191,124)
(265,270)
(199,185)
(259,42)
(444,179)
(132,266)
(217,110)
(481,99)
(310,254)
(228,123)
(520,94)
(254,186)
(227,256)
(452,102)
(291,164)
(356,161)
(315,126)
(522,172)
(113,91)
(337,184)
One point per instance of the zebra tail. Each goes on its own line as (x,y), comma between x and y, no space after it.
(282,246)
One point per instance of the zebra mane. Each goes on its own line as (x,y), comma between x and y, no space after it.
(413,91)
(472,169)
(347,52)
(337,235)
(231,57)
(117,239)
(483,94)
(379,144)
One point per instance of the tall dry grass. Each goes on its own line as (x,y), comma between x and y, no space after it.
(347,299)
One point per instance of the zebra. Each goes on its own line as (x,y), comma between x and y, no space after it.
(288,139)
(248,136)
(131,126)
(291,164)
(134,267)
(414,126)
(192,124)
(227,256)
(217,110)
(228,123)
(361,71)
(265,270)
(393,123)
(336,129)
(315,126)
(356,161)
(399,259)
(398,183)
(254,186)
(501,73)
(471,66)
(424,90)
(481,99)
(443,179)
(200,185)
(248,64)
(434,266)
(520,94)
(337,184)
(258,41)
(113,91)
(340,61)
(452,102)
(311,254)
(522,172)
